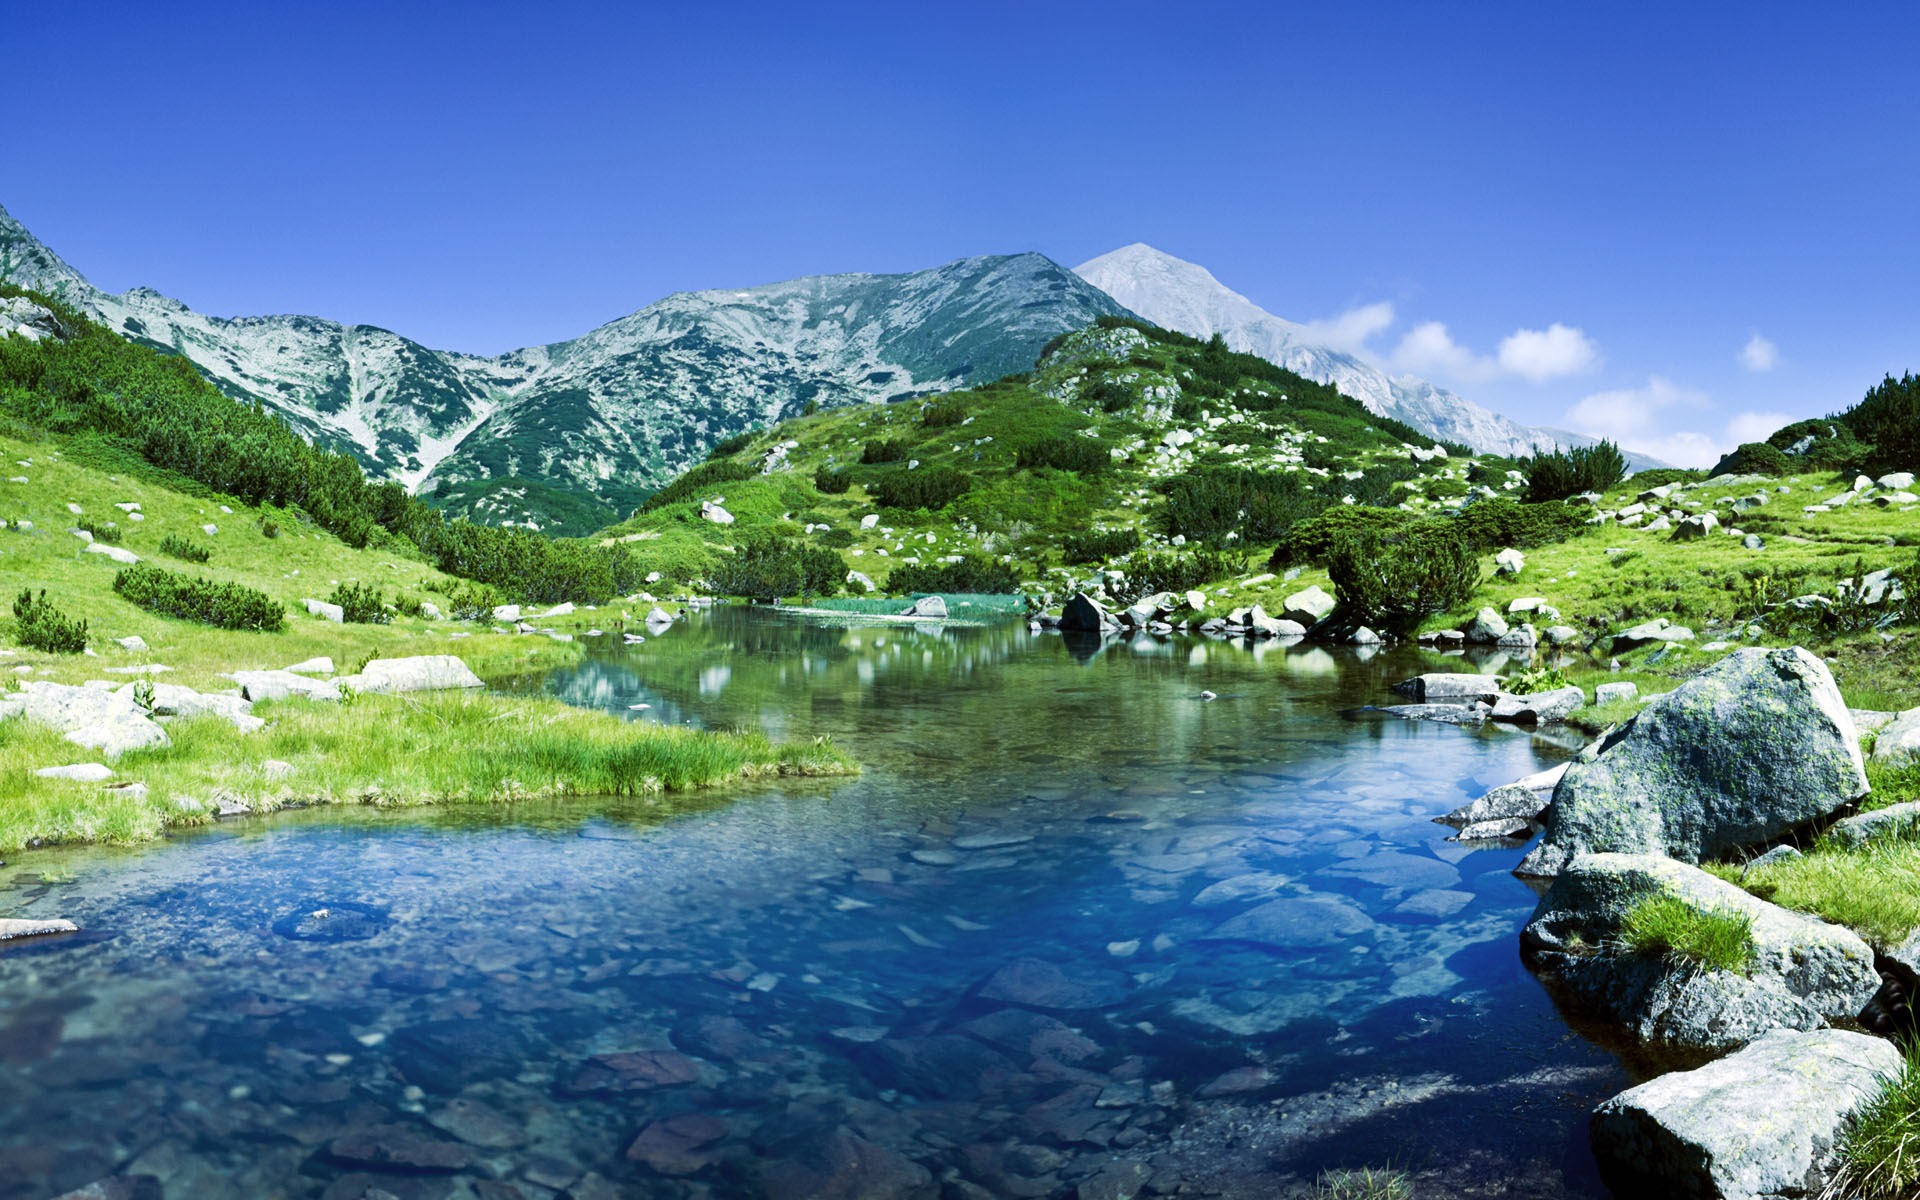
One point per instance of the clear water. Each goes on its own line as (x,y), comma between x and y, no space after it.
(1009,959)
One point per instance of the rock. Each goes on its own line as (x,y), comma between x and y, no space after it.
(1697,526)
(1657,630)
(845,1166)
(1488,627)
(1438,903)
(563,609)
(1753,541)
(26,927)
(678,1145)
(1539,708)
(710,511)
(1804,970)
(1197,601)
(431,611)
(1898,742)
(449,1055)
(1898,481)
(1658,525)
(78,772)
(1525,798)
(866,583)
(1524,604)
(119,554)
(927,606)
(256,686)
(1422,689)
(1295,923)
(1035,983)
(136,644)
(1083,614)
(1884,499)
(1894,821)
(398,1148)
(506,612)
(657,616)
(1251,886)
(1754,747)
(1509,562)
(1493,830)
(420,673)
(1522,638)
(118,1187)
(630,1072)
(274,768)
(1613,693)
(325,611)
(1308,607)
(313,666)
(119,735)
(1363,637)
(1761,1123)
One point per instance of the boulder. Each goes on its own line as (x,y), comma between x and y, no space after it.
(865,582)
(1893,821)
(431,611)
(1509,562)
(136,644)
(119,554)
(1488,627)
(1540,708)
(1561,635)
(1084,614)
(313,666)
(1447,686)
(1263,625)
(1657,630)
(927,606)
(120,734)
(1524,799)
(325,611)
(1696,526)
(658,616)
(256,686)
(1308,607)
(506,612)
(78,772)
(172,700)
(1610,693)
(1805,971)
(1753,748)
(1898,481)
(1522,638)
(1197,601)
(713,512)
(1524,604)
(65,706)
(420,673)
(1763,1122)
(1898,743)
(1363,637)
(25,927)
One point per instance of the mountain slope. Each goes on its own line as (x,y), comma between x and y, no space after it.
(1185,296)
(573,433)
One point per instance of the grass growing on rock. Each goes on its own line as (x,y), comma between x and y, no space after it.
(1668,927)
(1873,890)
(1879,1153)
(426,748)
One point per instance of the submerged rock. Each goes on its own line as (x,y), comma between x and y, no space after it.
(331,921)
(1037,984)
(1756,746)
(1761,1123)
(1295,923)
(398,1148)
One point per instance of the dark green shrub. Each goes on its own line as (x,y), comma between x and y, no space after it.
(944,413)
(108,532)
(1150,572)
(472,602)
(1107,395)
(1313,540)
(883,450)
(185,550)
(975,573)
(1209,503)
(1390,582)
(360,604)
(408,606)
(931,489)
(1098,546)
(838,539)
(269,528)
(1754,458)
(832,482)
(766,567)
(732,445)
(224,605)
(1564,473)
(1500,521)
(45,628)
(1066,453)
(1889,420)
(1662,476)
(703,478)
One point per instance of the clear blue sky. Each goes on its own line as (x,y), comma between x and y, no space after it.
(1669,180)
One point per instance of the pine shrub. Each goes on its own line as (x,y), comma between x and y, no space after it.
(975,574)
(184,549)
(1390,582)
(360,604)
(223,605)
(45,628)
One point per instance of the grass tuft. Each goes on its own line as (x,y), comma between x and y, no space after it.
(1363,1183)
(1879,1154)
(1873,890)
(1669,927)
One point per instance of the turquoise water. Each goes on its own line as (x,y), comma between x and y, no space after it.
(1074,931)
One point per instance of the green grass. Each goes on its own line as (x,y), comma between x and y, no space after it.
(1668,927)
(1873,890)
(1879,1154)
(1362,1183)
(440,748)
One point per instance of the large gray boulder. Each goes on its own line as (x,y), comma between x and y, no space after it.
(1084,614)
(421,673)
(1540,708)
(1524,798)
(256,686)
(928,606)
(1893,821)
(1308,607)
(1436,685)
(1898,742)
(1754,747)
(1804,973)
(119,735)
(1762,1124)
(1488,627)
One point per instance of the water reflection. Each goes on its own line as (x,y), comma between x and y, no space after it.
(1075,931)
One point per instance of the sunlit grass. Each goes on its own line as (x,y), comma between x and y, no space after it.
(1879,1154)
(1668,927)
(1873,890)
(1362,1183)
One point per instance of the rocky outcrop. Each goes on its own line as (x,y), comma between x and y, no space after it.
(256,686)
(1758,745)
(1894,821)
(95,718)
(1539,708)
(1757,1125)
(1804,972)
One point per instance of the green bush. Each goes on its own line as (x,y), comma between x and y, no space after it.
(838,539)
(1669,927)
(703,478)
(1500,521)
(944,413)
(1662,476)
(1064,453)
(45,628)
(1390,582)
(1564,473)
(360,604)
(1754,458)
(408,606)
(1148,572)
(832,482)
(931,489)
(732,445)
(1107,395)
(767,568)
(269,528)
(974,573)
(224,605)
(472,602)
(1889,420)
(883,450)
(1209,503)
(1098,546)
(1313,540)
(184,549)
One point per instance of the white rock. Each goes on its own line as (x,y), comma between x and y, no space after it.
(325,611)
(256,686)
(313,666)
(1898,481)
(209,529)
(870,520)
(420,673)
(25,927)
(135,643)
(119,735)
(713,512)
(119,554)
(78,772)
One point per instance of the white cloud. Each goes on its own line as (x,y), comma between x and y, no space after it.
(1350,330)
(1429,349)
(1759,354)
(1645,419)
(1543,354)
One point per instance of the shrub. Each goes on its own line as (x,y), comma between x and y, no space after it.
(838,539)
(883,450)
(224,605)
(269,528)
(472,602)
(768,568)
(1391,582)
(832,482)
(108,532)
(1149,573)
(1880,1151)
(1662,476)
(1098,546)
(973,573)
(1536,679)
(931,489)
(1107,395)
(45,628)
(1668,927)
(185,550)
(408,606)
(944,413)
(703,478)
(1313,540)
(360,604)
(1754,458)
(1068,452)
(1362,1183)
(1499,521)
(732,445)
(1566,473)
(1210,503)
(1889,419)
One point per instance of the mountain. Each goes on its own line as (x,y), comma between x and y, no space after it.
(1185,296)
(570,435)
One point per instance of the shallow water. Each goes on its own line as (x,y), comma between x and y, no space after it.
(1074,930)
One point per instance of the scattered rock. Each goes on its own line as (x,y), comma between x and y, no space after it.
(1488,627)
(313,666)
(119,554)
(1657,630)
(1295,923)
(136,644)
(1761,1123)
(630,1072)
(1612,693)
(1039,984)
(678,1145)
(1438,686)
(1894,821)
(1509,562)
(420,673)
(713,512)
(78,772)
(1898,742)
(1308,607)
(927,606)
(325,611)
(1084,614)
(1540,708)
(398,1148)
(256,686)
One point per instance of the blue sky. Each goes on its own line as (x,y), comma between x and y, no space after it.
(1715,206)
